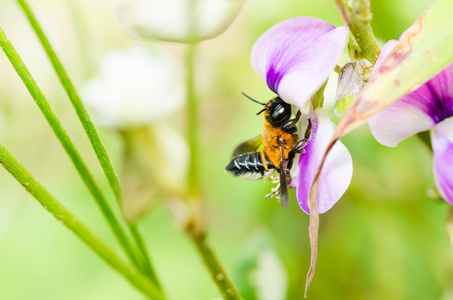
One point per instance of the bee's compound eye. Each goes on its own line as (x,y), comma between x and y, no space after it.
(280,114)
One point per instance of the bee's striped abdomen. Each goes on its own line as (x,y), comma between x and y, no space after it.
(250,166)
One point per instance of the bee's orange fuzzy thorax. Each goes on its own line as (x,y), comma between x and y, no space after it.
(271,147)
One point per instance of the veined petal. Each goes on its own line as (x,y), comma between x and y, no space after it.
(296,56)
(442,142)
(417,111)
(337,171)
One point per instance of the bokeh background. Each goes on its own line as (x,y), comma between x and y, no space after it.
(385,239)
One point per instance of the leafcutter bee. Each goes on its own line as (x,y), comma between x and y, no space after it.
(279,143)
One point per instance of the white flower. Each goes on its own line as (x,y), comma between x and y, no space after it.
(134,88)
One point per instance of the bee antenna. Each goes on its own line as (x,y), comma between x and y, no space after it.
(262,111)
(253,99)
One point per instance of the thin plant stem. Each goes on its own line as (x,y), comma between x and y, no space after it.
(84,118)
(67,144)
(148,267)
(359,24)
(61,213)
(196,232)
(224,284)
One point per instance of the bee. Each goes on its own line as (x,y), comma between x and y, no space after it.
(279,142)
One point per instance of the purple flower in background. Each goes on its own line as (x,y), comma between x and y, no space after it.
(428,107)
(295,58)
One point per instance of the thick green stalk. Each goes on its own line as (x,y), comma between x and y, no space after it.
(18,171)
(90,130)
(358,20)
(67,144)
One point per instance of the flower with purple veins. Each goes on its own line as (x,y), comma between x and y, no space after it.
(430,107)
(295,58)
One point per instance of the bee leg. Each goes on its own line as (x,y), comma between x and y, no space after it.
(299,148)
(301,144)
(290,125)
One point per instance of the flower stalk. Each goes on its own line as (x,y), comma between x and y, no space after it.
(61,213)
(224,284)
(358,19)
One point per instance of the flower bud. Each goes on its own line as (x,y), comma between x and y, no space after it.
(349,85)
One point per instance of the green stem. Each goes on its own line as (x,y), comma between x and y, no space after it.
(67,144)
(88,126)
(147,266)
(224,284)
(358,21)
(193,175)
(18,171)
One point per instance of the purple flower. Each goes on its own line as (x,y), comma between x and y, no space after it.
(295,58)
(428,107)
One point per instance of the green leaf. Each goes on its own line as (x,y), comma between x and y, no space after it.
(423,51)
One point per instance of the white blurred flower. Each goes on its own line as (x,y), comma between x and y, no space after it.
(271,277)
(182,21)
(134,88)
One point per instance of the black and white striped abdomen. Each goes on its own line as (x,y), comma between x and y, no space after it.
(250,166)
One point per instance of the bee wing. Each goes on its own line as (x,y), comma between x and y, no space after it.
(283,181)
(248,146)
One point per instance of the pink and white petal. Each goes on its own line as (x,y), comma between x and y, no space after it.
(401,120)
(296,56)
(337,172)
(442,142)
(417,111)
(388,47)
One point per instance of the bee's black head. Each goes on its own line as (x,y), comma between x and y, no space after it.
(277,112)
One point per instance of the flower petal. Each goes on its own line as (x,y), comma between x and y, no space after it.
(442,141)
(181,21)
(417,111)
(296,56)
(134,88)
(337,171)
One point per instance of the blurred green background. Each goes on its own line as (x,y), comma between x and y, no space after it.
(383,240)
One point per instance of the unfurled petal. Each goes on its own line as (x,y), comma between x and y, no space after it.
(417,111)
(134,88)
(181,21)
(296,56)
(442,142)
(337,171)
